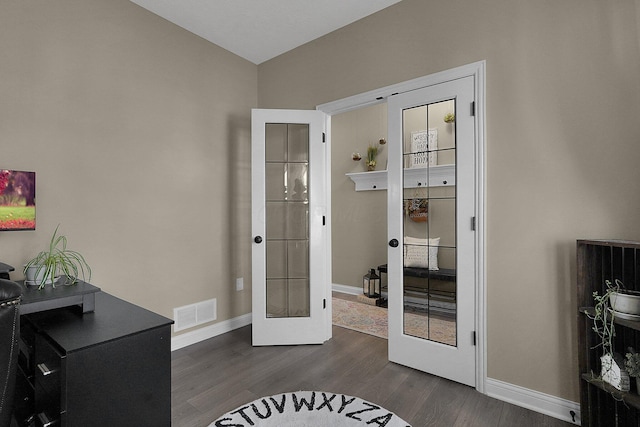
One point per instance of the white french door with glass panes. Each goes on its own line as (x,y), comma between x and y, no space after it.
(431,212)
(290,280)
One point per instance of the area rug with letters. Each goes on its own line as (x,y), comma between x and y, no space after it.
(309,409)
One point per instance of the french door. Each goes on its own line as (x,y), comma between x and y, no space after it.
(431,214)
(290,282)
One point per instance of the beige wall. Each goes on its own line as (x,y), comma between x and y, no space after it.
(562,144)
(359,219)
(139,133)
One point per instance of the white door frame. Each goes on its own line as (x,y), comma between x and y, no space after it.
(477,71)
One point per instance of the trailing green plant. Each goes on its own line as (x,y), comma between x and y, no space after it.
(603,317)
(604,326)
(58,260)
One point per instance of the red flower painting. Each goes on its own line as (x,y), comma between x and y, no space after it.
(17,200)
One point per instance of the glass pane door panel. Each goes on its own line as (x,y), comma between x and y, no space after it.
(297,259)
(277,298)
(286,181)
(446,156)
(277,259)
(287,298)
(287,219)
(276,142)
(297,181)
(429,225)
(442,221)
(287,259)
(298,147)
(275,184)
(298,298)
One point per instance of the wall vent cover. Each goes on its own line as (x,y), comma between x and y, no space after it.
(192,315)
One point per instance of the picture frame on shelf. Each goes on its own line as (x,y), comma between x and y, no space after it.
(424,146)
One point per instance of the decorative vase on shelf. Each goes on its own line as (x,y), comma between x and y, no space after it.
(371,165)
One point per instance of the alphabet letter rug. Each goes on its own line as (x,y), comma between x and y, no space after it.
(309,409)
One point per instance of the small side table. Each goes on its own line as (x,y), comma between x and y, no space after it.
(81,294)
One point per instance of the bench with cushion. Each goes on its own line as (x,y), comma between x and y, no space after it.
(435,288)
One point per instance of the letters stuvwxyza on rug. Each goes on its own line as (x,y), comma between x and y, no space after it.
(309,409)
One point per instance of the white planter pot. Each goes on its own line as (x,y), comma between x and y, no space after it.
(625,303)
(34,276)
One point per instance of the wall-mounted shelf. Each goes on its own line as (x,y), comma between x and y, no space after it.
(439,176)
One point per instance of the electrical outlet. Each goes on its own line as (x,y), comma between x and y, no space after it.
(239,284)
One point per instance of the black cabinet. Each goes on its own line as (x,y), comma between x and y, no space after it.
(597,262)
(109,367)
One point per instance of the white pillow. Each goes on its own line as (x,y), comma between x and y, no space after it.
(422,253)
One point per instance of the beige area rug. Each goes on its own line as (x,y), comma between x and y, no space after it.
(372,320)
(309,409)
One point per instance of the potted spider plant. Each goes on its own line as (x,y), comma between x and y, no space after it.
(55,262)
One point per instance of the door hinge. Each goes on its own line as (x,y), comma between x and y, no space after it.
(324,137)
(324,303)
(324,220)
(473,108)
(473,337)
(473,223)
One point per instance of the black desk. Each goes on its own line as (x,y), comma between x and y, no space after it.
(109,367)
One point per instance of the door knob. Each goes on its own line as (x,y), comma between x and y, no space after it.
(258,239)
(393,243)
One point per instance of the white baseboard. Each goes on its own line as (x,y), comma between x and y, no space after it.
(345,289)
(186,339)
(536,401)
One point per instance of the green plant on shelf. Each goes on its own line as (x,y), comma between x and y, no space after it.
(372,154)
(45,267)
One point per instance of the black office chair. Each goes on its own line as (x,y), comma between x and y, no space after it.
(10,295)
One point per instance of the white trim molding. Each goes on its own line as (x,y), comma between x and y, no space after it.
(346,289)
(193,337)
(534,400)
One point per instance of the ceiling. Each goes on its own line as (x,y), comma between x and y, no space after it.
(259,30)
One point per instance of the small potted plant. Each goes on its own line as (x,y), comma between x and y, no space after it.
(449,118)
(632,363)
(625,301)
(372,153)
(57,260)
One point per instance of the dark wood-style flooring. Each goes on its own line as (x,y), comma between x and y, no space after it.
(217,375)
